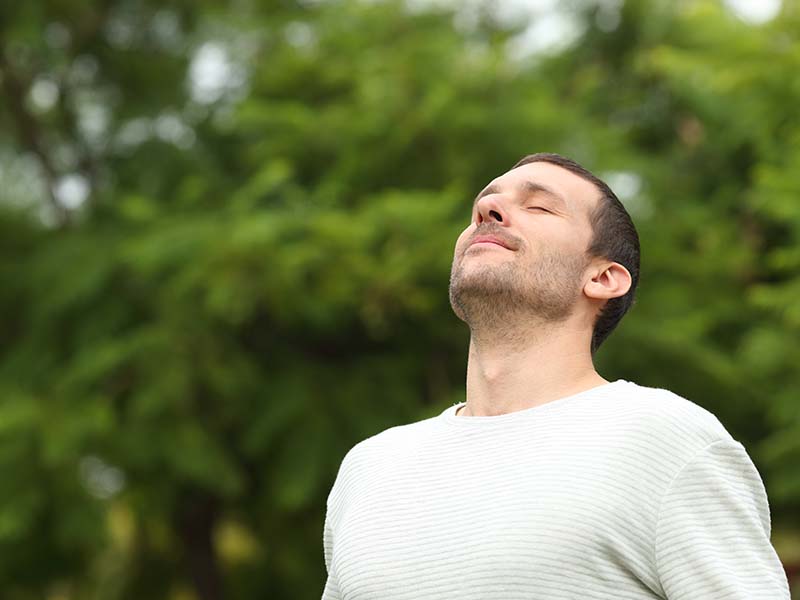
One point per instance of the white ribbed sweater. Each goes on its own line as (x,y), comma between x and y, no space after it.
(618,492)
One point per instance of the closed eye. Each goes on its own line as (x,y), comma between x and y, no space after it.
(539,208)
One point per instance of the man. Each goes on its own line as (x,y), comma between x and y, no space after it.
(550,482)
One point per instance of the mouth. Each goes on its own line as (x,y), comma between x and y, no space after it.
(488,240)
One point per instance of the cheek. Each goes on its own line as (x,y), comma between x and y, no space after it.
(462,239)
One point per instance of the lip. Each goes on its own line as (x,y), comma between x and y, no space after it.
(488,239)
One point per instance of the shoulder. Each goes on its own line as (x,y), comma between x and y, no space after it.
(369,457)
(391,441)
(672,427)
(665,411)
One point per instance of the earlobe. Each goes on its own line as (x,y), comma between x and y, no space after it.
(611,281)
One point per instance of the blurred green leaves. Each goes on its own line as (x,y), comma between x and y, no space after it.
(257,278)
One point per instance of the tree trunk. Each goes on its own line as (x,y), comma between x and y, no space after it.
(195,521)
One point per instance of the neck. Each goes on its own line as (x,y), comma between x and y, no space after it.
(507,373)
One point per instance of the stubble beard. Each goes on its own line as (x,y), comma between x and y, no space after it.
(514,297)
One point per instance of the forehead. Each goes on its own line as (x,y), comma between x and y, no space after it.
(580,195)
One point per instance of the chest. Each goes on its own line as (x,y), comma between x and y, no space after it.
(483,517)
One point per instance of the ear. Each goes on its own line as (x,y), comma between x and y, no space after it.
(609,280)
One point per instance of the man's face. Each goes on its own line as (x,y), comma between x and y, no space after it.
(525,248)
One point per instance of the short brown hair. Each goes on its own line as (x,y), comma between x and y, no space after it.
(613,237)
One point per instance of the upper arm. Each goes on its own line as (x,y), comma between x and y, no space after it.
(331,591)
(713,531)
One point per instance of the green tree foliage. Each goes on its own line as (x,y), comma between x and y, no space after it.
(226,236)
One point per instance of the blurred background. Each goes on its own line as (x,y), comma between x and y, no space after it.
(226,231)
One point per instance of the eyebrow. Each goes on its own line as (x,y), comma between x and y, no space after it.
(529,187)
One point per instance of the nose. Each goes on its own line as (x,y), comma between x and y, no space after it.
(491,208)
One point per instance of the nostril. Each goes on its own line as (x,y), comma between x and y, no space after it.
(496,215)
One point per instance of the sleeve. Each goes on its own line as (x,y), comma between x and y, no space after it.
(713,531)
(331,591)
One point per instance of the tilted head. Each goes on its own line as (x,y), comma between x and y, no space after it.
(546,238)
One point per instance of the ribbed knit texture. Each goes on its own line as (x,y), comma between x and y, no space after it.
(619,492)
